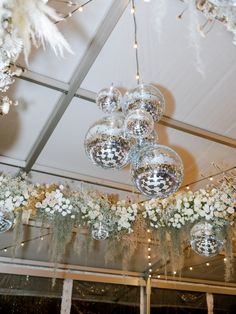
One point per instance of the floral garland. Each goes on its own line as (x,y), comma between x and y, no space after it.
(65,210)
(216,204)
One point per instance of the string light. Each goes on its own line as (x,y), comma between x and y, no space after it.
(78,7)
(225,259)
(135,42)
(207,264)
(174,272)
(24,242)
(190,268)
(210,178)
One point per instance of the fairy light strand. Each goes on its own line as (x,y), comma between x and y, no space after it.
(149,256)
(76,9)
(133,11)
(22,244)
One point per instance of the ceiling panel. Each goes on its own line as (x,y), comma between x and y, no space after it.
(20,128)
(169,63)
(79,31)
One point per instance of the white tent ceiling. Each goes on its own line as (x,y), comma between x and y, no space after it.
(46,131)
(103,53)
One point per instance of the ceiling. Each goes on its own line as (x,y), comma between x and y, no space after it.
(45,133)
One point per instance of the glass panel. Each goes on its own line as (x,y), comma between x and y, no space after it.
(95,298)
(175,301)
(29,295)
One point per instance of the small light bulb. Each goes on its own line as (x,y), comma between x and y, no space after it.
(158,276)
(150,276)
(81,9)
(41,238)
(208,264)
(149,249)
(225,259)
(132,10)
(174,272)
(150,270)
(211,179)
(22,244)
(137,77)
(149,240)
(190,268)
(5,250)
(69,14)
(135,45)
(148,231)
(149,264)
(187,187)
(149,256)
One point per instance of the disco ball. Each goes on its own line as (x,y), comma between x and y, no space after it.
(224,3)
(6,220)
(139,123)
(157,171)
(106,144)
(147,98)
(109,100)
(206,239)
(100,232)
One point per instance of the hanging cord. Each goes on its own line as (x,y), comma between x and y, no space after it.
(135,42)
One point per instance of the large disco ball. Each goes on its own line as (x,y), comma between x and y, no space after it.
(6,220)
(100,232)
(139,123)
(147,98)
(106,144)
(206,239)
(157,171)
(224,3)
(109,100)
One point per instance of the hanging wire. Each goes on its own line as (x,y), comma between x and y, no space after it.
(135,42)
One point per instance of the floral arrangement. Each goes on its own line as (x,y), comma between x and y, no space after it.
(65,211)
(221,10)
(212,204)
(23,23)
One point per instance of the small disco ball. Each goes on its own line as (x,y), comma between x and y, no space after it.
(224,3)
(157,171)
(147,98)
(106,143)
(139,124)
(109,100)
(100,232)
(6,220)
(206,239)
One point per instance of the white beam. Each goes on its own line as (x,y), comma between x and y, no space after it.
(82,70)
(166,121)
